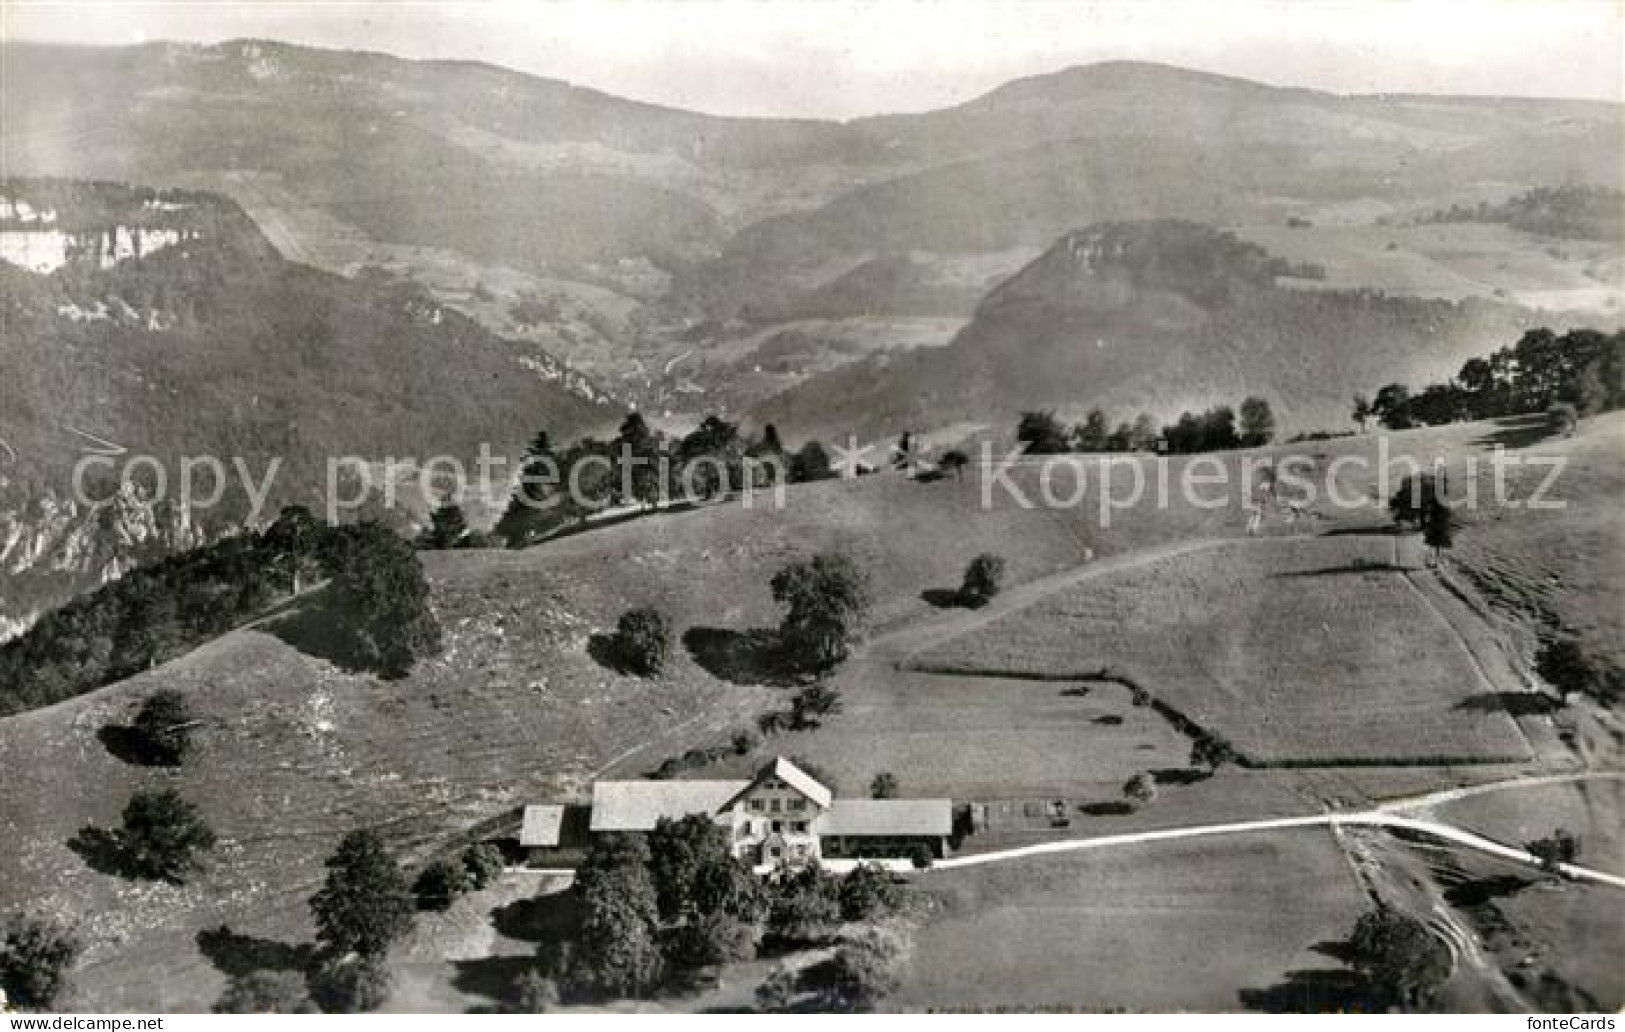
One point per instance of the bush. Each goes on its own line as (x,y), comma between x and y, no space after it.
(1561,847)
(534,993)
(351,986)
(643,641)
(869,892)
(884,786)
(920,856)
(745,741)
(484,862)
(163,728)
(266,992)
(441,883)
(36,956)
(1140,789)
(983,578)
(163,834)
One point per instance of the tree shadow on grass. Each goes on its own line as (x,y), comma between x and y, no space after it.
(125,744)
(1517,704)
(1180,775)
(234,954)
(1516,432)
(553,917)
(491,977)
(1335,571)
(943,598)
(1479,891)
(104,851)
(1112,808)
(318,628)
(1319,991)
(606,651)
(742,657)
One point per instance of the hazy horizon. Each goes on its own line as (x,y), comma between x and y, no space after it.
(844,60)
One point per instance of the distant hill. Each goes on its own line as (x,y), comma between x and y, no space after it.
(663,233)
(171,328)
(1157,315)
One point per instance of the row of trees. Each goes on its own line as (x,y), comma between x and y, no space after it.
(1584,369)
(562,486)
(1213,430)
(157,612)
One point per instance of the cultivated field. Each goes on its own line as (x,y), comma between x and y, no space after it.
(1165,926)
(1298,651)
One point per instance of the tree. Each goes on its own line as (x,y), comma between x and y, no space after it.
(1090,435)
(1144,436)
(1560,847)
(1398,956)
(1140,789)
(484,862)
(1211,751)
(441,882)
(1257,422)
(365,905)
(1042,433)
(1417,495)
(811,705)
(292,543)
(1362,412)
(1438,528)
(696,874)
(810,463)
(712,457)
(381,594)
(860,974)
(636,455)
(266,992)
(163,728)
(643,640)
(955,461)
(36,956)
(618,951)
(827,601)
(884,786)
(162,835)
(534,993)
(1391,407)
(1561,418)
(983,578)
(868,892)
(351,984)
(1564,664)
(447,526)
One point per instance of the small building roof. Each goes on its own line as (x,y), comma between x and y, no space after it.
(884,817)
(639,805)
(540,825)
(791,775)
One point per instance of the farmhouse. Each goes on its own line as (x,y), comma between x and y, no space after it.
(782,815)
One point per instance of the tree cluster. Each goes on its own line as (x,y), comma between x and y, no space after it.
(1578,374)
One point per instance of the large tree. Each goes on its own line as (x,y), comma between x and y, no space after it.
(827,601)
(162,835)
(379,590)
(365,904)
(1257,422)
(163,727)
(1399,956)
(618,950)
(292,543)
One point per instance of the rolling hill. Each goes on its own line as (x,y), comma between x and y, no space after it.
(172,329)
(656,234)
(1155,316)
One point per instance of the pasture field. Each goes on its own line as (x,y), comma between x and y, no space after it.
(1590,809)
(1299,651)
(1172,925)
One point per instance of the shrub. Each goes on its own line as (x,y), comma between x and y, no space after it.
(36,956)
(534,993)
(353,985)
(484,862)
(745,740)
(441,883)
(920,856)
(643,640)
(1140,789)
(1561,847)
(266,992)
(163,834)
(859,974)
(868,892)
(884,786)
(163,728)
(983,578)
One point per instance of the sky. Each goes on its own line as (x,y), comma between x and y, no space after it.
(842,59)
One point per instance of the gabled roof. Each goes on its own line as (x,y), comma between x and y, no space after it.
(639,805)
(888,817)
(791,775)
(540,826)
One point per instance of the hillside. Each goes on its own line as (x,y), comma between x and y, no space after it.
(655,235)
(1155,316)
(172,329)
